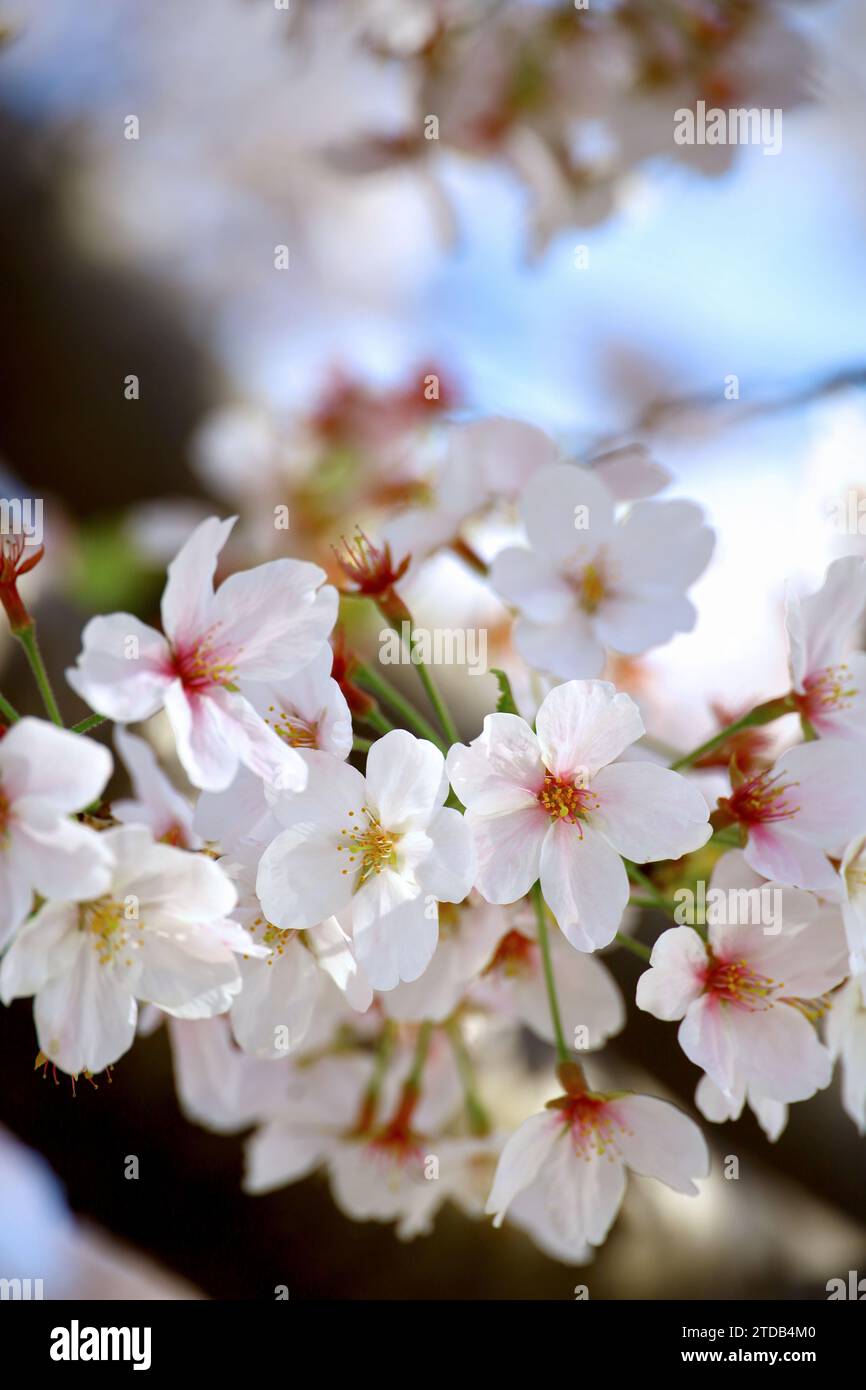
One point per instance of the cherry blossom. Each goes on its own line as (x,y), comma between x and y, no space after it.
(555,805)
(573,1157)
(384,846)
(749,995)
(799,813)
(158,933)
(46,774)
(264,624)
(588,582)
(846,1039)
(852,874)
(155,803)
(830,684)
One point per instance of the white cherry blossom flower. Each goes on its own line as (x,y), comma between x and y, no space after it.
(264,624)
(772,1115)
(574,1156)
(513,987)
(47,774)
(158,934)
(748,997)
(852,876)
(588,582)
(554,805)
(283,987)
(807,807)
(383,849)
(829,684)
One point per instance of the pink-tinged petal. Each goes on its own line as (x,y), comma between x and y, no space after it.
(555,527)
(777,851)
(309,706)
(583,725)
(123,669)
(630,473)
(59,858)
(526,580)
(589,998)
(302,878)
(62,768)
(663,545)
(406,780)
(521,1160)
(569,649)
(797,943)
(271,1016)
(47,945)
(584,1189)
(648,812)
(504,453)
(501,770)
(633,625)
(659,1141)
(238,814)
(819,625)
(395,929)
(188,594)
(675,979)
(829,790)
(732,872)
(508,852)
(85,1018)
(217,1085)
(707,1037)
(448,871)
(529,1212)
(585,885)
(778,1053)
(275,617)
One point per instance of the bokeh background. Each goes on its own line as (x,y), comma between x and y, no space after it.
(155,257)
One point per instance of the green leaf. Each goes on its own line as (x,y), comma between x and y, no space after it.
(505,704)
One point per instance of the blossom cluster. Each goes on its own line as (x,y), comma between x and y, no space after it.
(344,913)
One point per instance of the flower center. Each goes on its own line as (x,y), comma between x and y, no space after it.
(5,816)
(292,728)
(566,799)
(204,664)
(591,588)
(592,1125)
(370,847)
(828,690)
(277,938)
(734,982)
(515,956)
(108,924)
(760,799)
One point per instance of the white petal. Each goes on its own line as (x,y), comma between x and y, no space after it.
(277,616)
(678,967)
(188,594)
(585,885)
(549,510)
(648,812)
(61,768)
(406,780)
(521,1159)
(124,668)
(661,1142)
(501,770)
(584,725)
(449,870)
(508,852)
(271,1015)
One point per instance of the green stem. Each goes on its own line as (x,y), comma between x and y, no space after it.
(761,714)
(729,835)
(419,1061)
(8,711)
(638,876)
(562,1052)
(84,726)
(637,901)
(361,745)
(637,947)
(384,690)
(376,719)
(443,714)
(27,637)
(479,1121)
